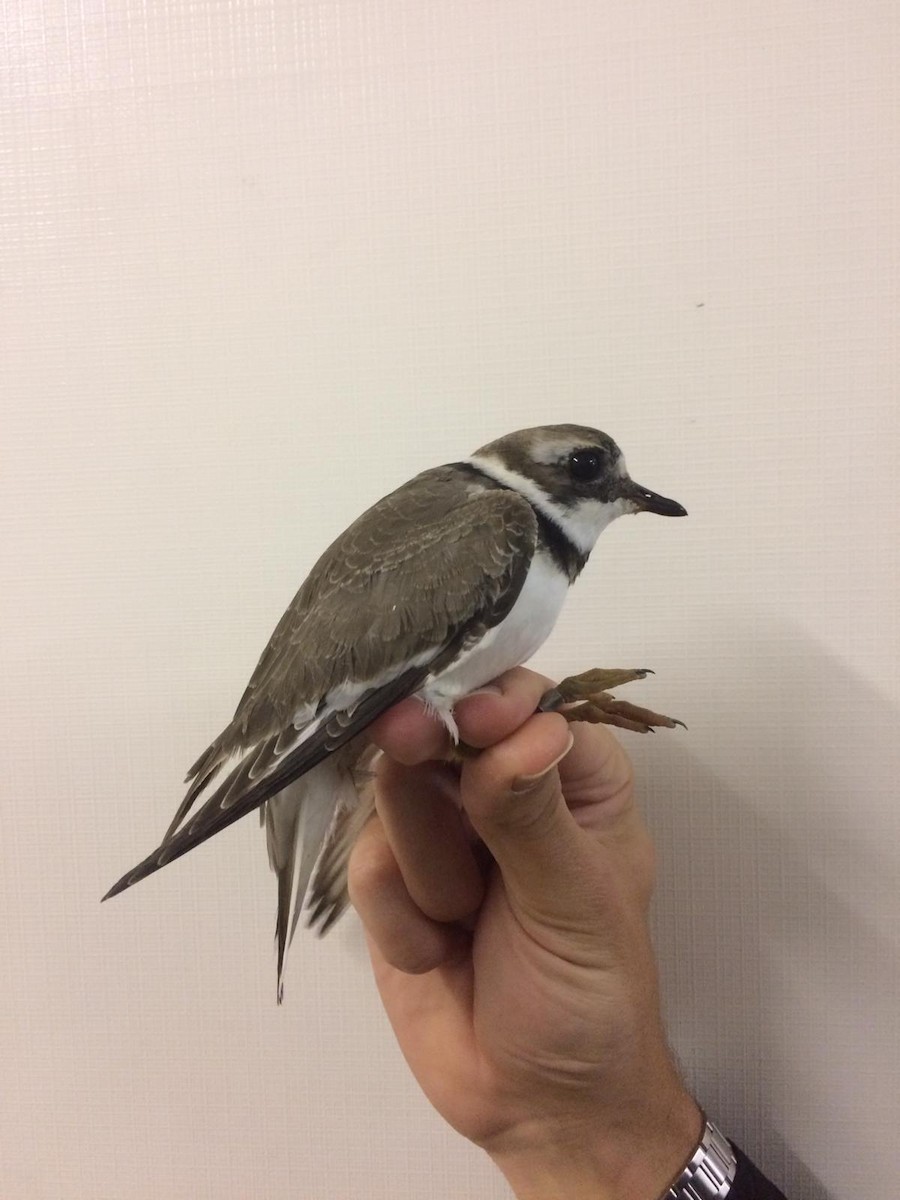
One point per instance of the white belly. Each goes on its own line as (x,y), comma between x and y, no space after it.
(508,644)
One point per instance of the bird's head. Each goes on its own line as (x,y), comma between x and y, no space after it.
(577,475)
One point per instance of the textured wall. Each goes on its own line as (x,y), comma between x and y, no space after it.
(260,260)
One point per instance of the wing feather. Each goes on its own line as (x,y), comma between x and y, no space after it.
(443,549)
(451,558)
(237,795)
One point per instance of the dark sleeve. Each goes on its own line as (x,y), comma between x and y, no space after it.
(749,1183)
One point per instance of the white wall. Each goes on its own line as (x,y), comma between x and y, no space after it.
(262,260)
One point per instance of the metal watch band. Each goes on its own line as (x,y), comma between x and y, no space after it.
(710,1173)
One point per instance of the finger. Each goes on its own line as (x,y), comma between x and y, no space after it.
(596,773)
(488,716)
(597,780)
(424,827)
(431,1014)
(410,734)
(405,937)
(513,797)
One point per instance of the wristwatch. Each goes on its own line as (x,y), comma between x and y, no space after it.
(710,1172)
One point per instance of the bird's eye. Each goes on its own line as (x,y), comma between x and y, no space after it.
(585,465)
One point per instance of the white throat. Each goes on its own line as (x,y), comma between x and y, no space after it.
(582,524)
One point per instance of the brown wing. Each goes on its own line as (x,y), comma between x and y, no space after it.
(401,578)
(450,565)
(439,543)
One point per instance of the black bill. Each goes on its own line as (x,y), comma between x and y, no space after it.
(646,501)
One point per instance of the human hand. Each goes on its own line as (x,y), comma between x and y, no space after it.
(521,984)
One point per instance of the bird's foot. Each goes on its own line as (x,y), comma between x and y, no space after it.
(586,697)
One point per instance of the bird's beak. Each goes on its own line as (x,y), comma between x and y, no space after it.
(641,499)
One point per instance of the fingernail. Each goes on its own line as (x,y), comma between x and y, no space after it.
(525,783)
(489,689)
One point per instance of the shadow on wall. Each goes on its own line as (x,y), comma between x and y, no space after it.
(772,818)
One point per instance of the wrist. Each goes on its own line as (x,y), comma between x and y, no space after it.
(635,1159)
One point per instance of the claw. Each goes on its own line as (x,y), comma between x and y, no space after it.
(585,698)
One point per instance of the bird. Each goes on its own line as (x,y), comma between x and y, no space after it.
(447,582)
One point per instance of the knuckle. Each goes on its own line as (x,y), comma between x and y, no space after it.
(412,959)
(445,909)
(372,868)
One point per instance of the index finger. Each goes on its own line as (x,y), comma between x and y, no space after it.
(411,735)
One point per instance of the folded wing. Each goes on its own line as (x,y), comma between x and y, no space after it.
(449,561)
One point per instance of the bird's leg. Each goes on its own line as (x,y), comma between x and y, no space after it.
(461,752)
(586,697)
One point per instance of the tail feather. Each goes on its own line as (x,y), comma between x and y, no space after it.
(328,893)
(298,821)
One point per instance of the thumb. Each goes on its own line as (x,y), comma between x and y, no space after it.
(511,794)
